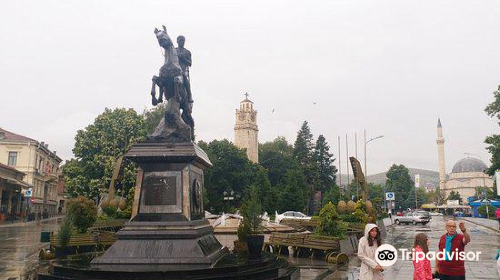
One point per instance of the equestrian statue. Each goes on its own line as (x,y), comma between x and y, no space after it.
(173,84)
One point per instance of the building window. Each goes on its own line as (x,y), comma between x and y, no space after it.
(12,158)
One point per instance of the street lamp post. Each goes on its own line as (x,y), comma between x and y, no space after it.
(366,142)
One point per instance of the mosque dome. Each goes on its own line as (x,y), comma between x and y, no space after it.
(469,165)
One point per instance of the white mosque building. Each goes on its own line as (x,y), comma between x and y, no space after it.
(466,175)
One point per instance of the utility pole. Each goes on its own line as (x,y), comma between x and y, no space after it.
(347,161)
(340,166)
(356,153)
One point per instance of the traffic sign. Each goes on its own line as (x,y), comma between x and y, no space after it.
(389,196)
(28,192)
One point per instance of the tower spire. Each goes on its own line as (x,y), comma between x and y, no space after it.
(441,161)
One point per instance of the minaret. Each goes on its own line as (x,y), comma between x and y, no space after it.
(442,170)
(246,129)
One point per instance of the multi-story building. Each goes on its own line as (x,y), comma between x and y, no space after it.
(40,165)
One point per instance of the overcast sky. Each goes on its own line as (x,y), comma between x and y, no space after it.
(390,67)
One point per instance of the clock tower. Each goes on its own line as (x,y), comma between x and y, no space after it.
(246,129)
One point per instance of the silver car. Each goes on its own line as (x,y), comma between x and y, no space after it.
(413,218)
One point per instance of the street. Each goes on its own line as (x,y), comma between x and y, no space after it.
(20,245)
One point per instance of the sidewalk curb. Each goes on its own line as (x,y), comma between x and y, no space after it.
(488,227)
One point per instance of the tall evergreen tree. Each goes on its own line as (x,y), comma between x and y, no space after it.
(324,160)
(294,194)
(304,153)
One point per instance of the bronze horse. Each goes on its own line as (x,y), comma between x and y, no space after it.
(171,85)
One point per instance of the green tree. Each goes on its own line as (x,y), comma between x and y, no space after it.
(231,172)
(493,141)
(399,181)
(304,153)
(481,191)
(453,195)
(268,198)
(375,191)
(332,195)
(482,210)
(422,198)
(294,194)
(324,160)
(153,116)
(97,147)
(277,158)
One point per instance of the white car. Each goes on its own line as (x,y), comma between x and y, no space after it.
(435,214)
(291,215)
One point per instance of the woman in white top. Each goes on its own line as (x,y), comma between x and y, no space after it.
(368,244)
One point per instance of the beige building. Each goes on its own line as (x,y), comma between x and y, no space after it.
(246,130)
(40,165)
(467,174)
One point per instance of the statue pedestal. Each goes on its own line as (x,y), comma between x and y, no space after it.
(169,230)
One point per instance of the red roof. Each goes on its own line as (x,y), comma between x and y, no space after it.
(14,137)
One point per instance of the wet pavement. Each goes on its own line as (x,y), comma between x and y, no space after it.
(20,245)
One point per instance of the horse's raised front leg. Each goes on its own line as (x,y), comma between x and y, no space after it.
(154,101)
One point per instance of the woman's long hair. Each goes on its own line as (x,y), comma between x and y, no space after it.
(378,238)
(421,240)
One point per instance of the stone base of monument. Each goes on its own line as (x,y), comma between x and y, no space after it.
(149,246)
(168,231)
(231,266)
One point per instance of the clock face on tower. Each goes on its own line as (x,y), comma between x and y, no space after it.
(242,117)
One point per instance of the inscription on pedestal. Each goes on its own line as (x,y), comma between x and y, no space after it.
(161,192)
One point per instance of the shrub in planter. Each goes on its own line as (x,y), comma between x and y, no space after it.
(251,211)
(65,232)
(82,213)
(329,222)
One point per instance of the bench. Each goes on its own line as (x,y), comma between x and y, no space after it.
(306,244)
(104,238)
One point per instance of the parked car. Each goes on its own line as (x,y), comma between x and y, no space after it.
(435,214)
(413,218)
(400,214)
(425,213)
(291,215)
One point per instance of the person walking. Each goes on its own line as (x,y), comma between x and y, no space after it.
(497,214)
(422,268)
(368,244)
(452,268)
